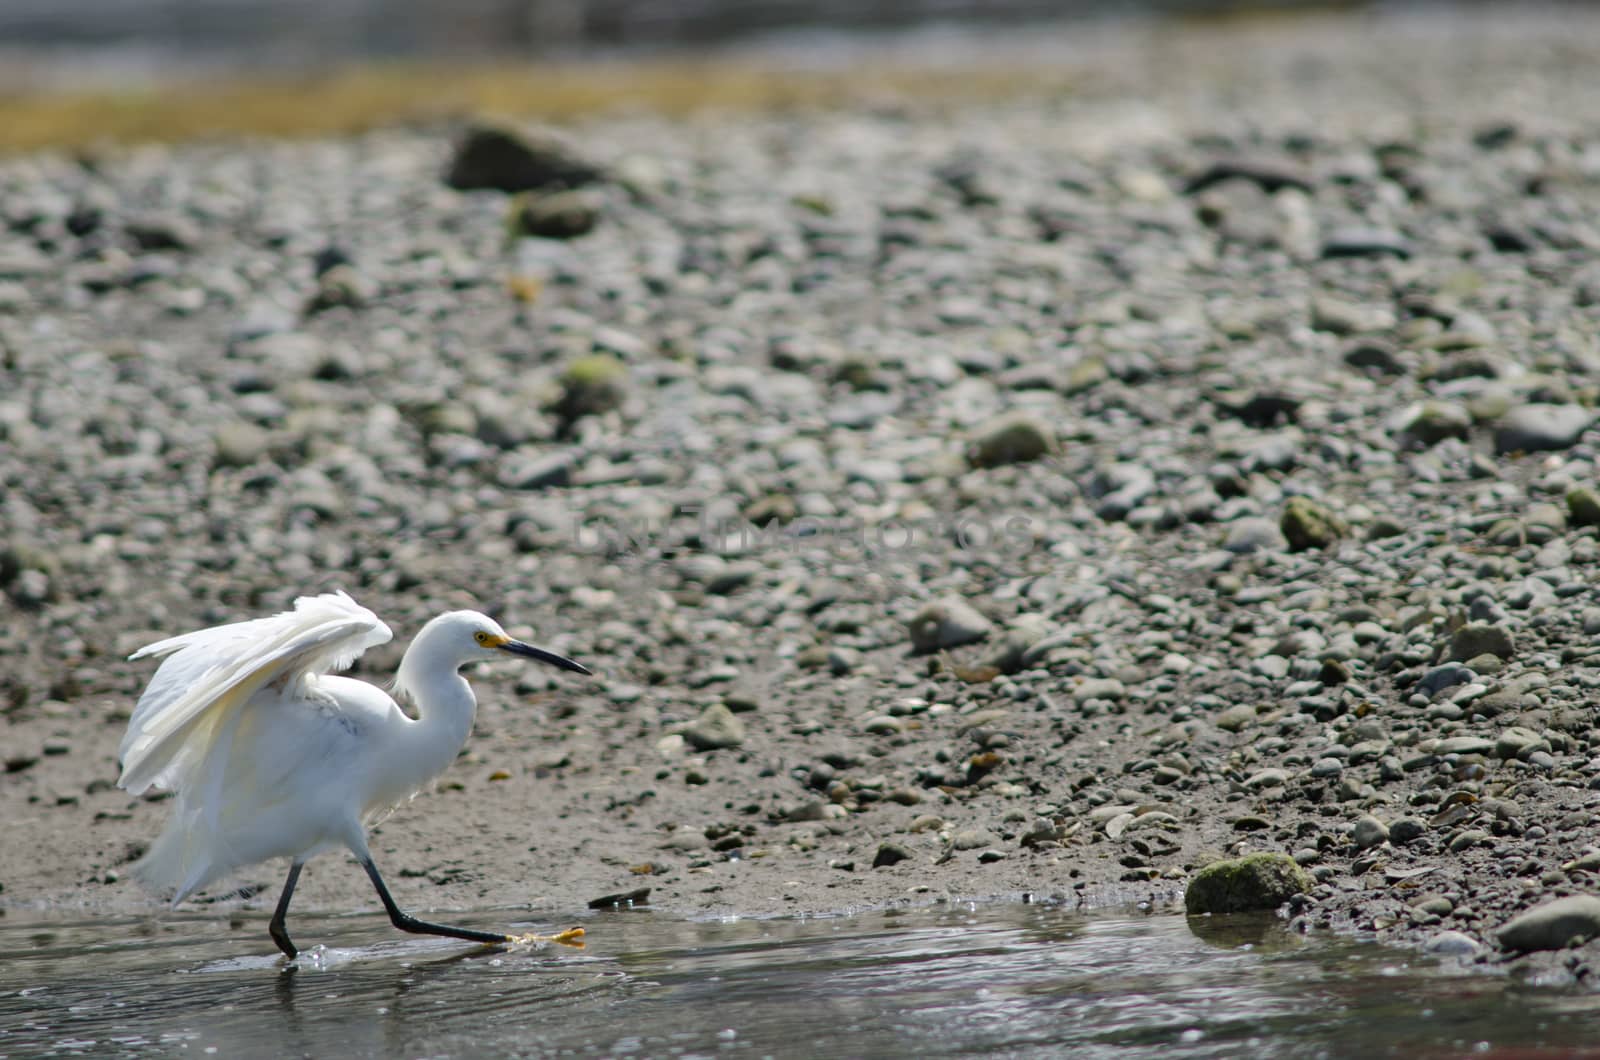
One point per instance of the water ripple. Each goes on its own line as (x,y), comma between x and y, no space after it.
(1004,980)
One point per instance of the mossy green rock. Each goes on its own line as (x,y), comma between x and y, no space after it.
(1013,438)
(1308,525)
(1253,882)
(591,385)
(1583,505)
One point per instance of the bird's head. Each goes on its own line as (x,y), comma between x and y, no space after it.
(478,636)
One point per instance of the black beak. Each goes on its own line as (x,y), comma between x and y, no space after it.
(516,647)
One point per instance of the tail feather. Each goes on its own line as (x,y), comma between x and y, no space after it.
(179,862)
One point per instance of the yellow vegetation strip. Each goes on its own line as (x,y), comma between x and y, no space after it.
(363,98)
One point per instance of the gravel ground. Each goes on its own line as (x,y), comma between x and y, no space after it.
(1042,497)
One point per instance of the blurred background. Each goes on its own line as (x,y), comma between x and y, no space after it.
(75,72)
(127,38)
(338,28)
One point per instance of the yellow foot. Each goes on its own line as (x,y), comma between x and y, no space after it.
(571,937)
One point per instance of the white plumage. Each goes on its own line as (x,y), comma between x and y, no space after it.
(209,671)
(271,755)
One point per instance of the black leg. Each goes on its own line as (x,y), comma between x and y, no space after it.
(276,928)
(420,927)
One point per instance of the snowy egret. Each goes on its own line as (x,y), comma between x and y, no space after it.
(270,755)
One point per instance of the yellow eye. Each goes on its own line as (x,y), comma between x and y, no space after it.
(481,637)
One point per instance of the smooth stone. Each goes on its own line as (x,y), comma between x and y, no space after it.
(1369,832)
(1482,638)
(1540,427)
(1452,944)
(1023,632)
(1254,534)
(1516,741)
(1273,666)
(240,444)
(556,215)
(685,840)
(1375,358)
(1235,718)
(1341,317)
(1447,675)
(716,727)
(1271,777)
(1041,831)
(1101,814)
(1153,819)
(1404,829)
(1431,422)
(1269,175)
(1553,925)
(972,839)
(1099,688)
(163,232)
(1464,745)
(882,725)
(1327,767)
(1356,242)
(1118,825)
(947,623)
(815,810)
(1437,904)
(550,471)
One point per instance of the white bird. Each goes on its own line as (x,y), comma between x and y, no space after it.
(271,755)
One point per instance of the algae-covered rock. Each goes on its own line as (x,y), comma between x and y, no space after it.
(1013,438)
(1308,525)
(1583,506)
(1253,882)
(591,385)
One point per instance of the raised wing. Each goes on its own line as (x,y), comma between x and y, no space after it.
(210,673)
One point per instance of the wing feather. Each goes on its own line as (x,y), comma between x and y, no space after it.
(211,673)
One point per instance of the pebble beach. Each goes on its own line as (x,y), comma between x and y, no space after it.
(1042,497)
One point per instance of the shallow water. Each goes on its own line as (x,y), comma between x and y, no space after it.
(947,981)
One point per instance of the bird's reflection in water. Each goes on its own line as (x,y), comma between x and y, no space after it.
(380,1005)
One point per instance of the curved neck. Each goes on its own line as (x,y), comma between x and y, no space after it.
(429,678)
